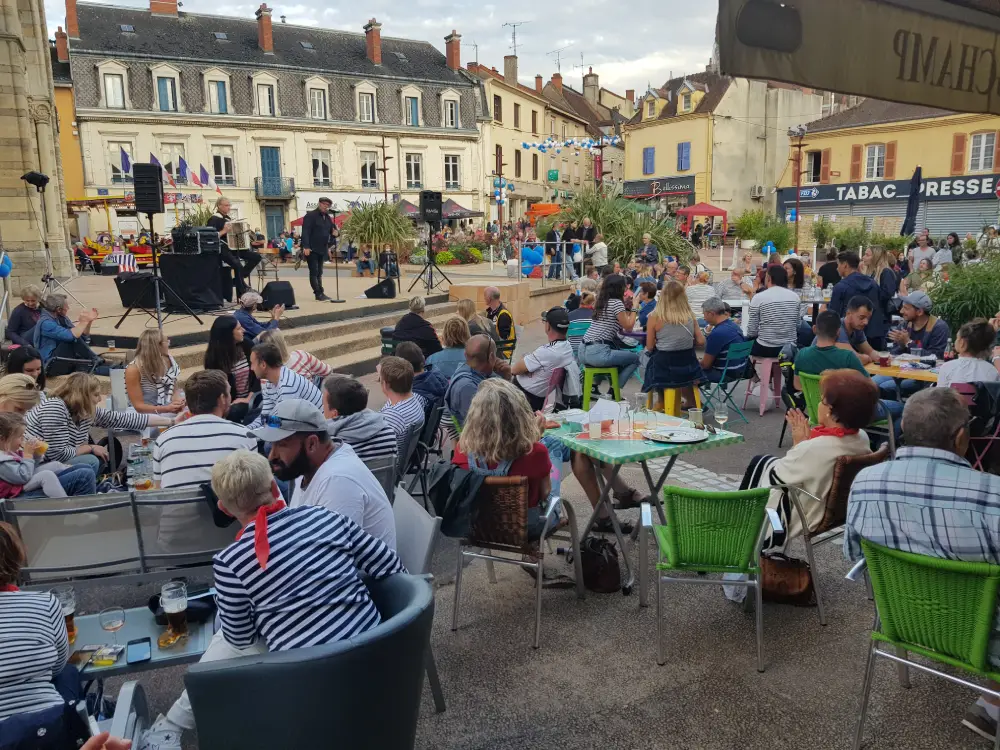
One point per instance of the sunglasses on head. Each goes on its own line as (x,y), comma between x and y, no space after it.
(289,424)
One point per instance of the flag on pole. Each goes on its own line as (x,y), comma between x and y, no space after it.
(182,169)
(208,180)
(126,162)
(195,179)
(165,176)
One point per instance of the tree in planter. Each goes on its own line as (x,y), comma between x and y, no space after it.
(823,231)
(893,242)
(972,291)
(851,237)
(198,217)
(375,225)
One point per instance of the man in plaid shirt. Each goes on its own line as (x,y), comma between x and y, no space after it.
(930,501)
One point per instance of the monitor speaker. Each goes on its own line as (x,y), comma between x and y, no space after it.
(135,289)
(385,289)
(147,179)
(430,206)
(277,293)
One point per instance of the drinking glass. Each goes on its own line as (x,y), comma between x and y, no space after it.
(67,600)
(174,601)
(594,429)
(112,620)
(722,414)
(696,416)
(640,415)
(624,421)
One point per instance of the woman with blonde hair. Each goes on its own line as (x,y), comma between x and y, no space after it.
(151,377)
(300,361)
(880,268)
(65,418)
(672,334)
(18,393)
(466,309)
(454,337)
(501,435)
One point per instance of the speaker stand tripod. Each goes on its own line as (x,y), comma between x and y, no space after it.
(429,265)
(156,281)
(51,283)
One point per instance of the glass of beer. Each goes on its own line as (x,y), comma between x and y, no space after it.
(67,600)
(173,599)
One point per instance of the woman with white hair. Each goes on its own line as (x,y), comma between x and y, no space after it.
(61,343)
(24,317)
(414,327)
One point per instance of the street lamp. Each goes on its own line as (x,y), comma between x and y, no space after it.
(797,132)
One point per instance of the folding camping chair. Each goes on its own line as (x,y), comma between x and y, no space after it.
(721,392)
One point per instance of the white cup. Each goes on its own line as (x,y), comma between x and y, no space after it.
(595,430)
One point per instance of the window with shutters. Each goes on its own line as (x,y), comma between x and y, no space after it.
(114,90)
(813,168)
(450,113)
(517,163)
(684,156)
(534,166)
(649,160)
(366,106)
(369,169)
(321,167)
(121,168)
(650,108)
(224,165)
(497,108)
(981,150)
(875,161)
(166,93)
(498,156)
(412,106)
(317,103)
(170,157)
(265,99)
(534,122)
(517,116)
(218,98)
(452,172)
(414,171)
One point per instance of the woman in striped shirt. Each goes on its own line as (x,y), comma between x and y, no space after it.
(603,344)
(151,377)
(302,362)
(64,420)
(229,351)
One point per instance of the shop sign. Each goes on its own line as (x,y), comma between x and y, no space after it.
(966,187)
(657,186)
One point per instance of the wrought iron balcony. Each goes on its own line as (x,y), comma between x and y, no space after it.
(276,188)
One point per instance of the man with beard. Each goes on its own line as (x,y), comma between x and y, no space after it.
(326,472)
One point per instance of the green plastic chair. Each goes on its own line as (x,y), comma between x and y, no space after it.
(710,532)
(811,393)
(940,609)
(721,392)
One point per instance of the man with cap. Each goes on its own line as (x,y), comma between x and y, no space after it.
(248,305)
(317,236)
(325,472)
(920,330)
(533,373)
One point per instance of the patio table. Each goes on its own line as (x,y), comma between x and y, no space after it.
(926,376)
(618,451)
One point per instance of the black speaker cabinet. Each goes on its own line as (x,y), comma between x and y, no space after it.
(136,289)
(277,293)
(194,240)
(147,179)
(430,205)
(385,289)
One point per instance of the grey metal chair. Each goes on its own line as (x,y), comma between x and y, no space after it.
(427,445)
(405,455)
(362,693)
(384,470)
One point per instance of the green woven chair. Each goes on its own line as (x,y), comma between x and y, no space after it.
(811,393)
(940,609)
(710,532)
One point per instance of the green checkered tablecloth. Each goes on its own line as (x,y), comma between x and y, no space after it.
(614,451)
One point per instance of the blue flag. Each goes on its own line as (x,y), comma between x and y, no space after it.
(126,162)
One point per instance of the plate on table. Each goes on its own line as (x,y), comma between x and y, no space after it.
(679,435)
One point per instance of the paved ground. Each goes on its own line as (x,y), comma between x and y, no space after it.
(594,683)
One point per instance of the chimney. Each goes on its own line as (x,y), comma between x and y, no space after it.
(591,87)
(62,45)
(72,26)
(264,39)
(163,7)
(630,95)
(538,84)
(557,81)
(282,19)
(510,70)
(453,50)
(373,41)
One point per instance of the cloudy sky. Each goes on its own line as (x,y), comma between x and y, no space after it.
(627,49)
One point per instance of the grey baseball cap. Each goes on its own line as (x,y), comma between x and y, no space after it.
(919,300)
(289,417)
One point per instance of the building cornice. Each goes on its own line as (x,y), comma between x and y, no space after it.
(669,121)
(899,126)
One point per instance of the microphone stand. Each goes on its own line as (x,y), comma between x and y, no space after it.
(336,268)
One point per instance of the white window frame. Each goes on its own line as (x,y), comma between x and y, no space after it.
(166,71)
(115,160)
(111,67)
(414,166)
(315,84)
(321,154)
(874,159)
(978,142)
(564,130)
(450,96)
(264,79)
(365,87)
(686,101)
(362,162)
(210,78)
(807,178)
(650,107)
(456,167)
(411,92)
(169,153)
(217,150)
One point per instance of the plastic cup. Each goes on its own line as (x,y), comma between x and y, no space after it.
(595,430)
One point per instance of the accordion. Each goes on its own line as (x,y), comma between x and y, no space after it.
(238,237)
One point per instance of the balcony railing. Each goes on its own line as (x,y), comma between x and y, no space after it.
(281,188)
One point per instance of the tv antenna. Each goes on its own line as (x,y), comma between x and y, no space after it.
(582,66)
(513,33)
(476,48)
(557,53)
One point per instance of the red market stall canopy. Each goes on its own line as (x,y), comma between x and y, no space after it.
(703,209)
(408,209)
(451,210)
(932,53)
(339,220)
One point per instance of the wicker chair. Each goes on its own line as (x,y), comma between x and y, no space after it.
(835,509)
(500,525)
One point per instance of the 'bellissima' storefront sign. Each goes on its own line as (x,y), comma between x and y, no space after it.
(978,187)
(657,186)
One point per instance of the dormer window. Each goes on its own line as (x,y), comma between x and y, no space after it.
(126,28)
(221,36)
(650,108)
(686,102)
(306,45)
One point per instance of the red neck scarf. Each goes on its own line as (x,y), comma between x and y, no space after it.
(260,543)
(9,587)
(831,431)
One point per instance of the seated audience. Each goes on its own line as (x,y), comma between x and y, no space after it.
(291,580)
(825,354)
(586,309)
(345,406)
(921,280)
(498,314)
(402,408)
(414,327)
(326,473)
(973,344)
(28,361)
(643,274)
(683,275)
(852,329)
(723,334)
(735,287)
(671,338)
(300,361)
(846,407)
(57,338)
(364,261)
(278,383)
(645,298)
(604,344)
(65,418)
(25,316)
(920,330)
(854,283)
(24,476)
(454,336)
(151,377)
(930,501)
(18,394)
(477,323)
(229,351)
(428,385)
(699,291)
(244,314)
(481,363)
(828,273)
(774,314)
(533,373)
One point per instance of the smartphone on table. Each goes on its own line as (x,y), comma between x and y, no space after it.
(138,651)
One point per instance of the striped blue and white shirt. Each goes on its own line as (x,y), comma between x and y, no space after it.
(311,591)
(401,416)
(774,316)
(33,648)
(290,385)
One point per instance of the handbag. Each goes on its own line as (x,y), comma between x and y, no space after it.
(599,561)
(786,580)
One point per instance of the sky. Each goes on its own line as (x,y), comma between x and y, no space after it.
(628,50)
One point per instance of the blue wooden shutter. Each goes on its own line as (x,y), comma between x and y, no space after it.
(220,88)
(649,160)
(684,156)
(162,92)
(414,111)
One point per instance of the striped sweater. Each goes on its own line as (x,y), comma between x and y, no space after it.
(33,648)
(51,421)
(311,592)
(774,316)
(290,385)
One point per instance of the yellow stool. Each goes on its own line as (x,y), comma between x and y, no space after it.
(588,382)
(672,400)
